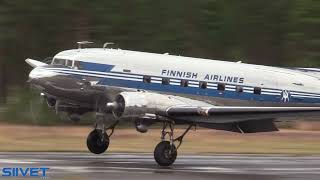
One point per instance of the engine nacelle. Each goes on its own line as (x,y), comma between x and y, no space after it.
(138,104)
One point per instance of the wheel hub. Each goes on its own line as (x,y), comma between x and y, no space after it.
(167,154)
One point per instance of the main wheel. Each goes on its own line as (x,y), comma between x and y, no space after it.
(165,154)
(96,144)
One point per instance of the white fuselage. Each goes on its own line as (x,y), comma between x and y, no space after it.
(228,82)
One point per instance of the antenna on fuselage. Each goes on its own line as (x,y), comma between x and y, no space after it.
(106,44)
(80,43)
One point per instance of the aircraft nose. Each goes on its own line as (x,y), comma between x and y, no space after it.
(39,73)
(35,74)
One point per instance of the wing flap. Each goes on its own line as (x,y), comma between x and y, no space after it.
(265,125)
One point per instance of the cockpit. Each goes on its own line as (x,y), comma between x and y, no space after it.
(66,62)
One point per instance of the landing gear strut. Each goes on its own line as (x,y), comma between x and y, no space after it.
(166,152)
(98,140)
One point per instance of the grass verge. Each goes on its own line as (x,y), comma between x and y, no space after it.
(203,141)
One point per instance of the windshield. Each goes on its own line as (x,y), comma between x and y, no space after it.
(59,62)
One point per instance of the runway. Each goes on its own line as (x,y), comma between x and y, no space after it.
(142,166)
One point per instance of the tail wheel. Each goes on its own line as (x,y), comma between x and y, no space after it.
(97,144)
(165,154)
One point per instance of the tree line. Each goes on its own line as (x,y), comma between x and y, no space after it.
(275,32)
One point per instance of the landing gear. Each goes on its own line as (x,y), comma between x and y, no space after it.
(98,140)
(166,152)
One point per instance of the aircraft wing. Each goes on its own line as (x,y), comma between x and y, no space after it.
(238,119)
(188,110)
(231,114)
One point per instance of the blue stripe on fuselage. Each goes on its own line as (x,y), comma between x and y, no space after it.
(95,67)
(122,80)
(188,90)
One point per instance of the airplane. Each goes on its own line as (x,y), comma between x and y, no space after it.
(148,88)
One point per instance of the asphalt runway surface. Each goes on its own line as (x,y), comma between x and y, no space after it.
(142,166)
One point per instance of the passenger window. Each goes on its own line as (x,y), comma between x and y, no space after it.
(165,81)
(203,85)
(257,90)
(59,62)
(184,83)
(146,79)
(239,89)
(221,87)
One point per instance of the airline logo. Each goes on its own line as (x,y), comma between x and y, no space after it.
(207,77)
(285,96)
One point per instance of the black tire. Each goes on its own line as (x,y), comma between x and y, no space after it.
(95,144)
(165,154)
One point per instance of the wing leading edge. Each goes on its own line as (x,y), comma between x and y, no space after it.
(231,114)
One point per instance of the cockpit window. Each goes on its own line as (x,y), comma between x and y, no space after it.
(69,63)
(59,62)
(66,62)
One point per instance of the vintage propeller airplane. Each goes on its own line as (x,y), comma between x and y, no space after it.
(147,88)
